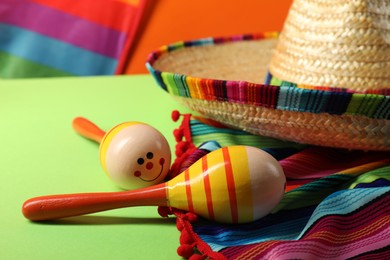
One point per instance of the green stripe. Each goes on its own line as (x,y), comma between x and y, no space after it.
(169,81)
(276,82)
(381,173)
(383,109)
(317,191)
(364,104)
(181,85)
(14,67)
(175,46)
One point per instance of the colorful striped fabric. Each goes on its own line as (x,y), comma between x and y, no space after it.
(42,38)
(337,207)
(273,93)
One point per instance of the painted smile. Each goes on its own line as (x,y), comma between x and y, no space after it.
(158,175)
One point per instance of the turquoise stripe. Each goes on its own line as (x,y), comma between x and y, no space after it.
(296,98)
(284,98)
(288,230)
(304,96)
(53,53)
(287,84)
(198,128)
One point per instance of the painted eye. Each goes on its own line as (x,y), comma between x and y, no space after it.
(149,155)
(140,161)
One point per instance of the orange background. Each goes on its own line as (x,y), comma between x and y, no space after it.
(169,21)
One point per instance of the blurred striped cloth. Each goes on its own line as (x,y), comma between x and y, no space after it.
(43,38)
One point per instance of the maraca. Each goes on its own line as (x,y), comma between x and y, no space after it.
(235,184)
(133,154)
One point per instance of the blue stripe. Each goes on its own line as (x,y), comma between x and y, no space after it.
(338,102)
(323,100)
(53,53)
(157,76)
(314,101)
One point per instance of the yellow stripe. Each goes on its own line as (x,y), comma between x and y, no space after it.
(219,190)
(199,199)
(239,160)
(193,87)
(177,196)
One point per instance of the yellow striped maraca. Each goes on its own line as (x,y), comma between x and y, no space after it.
(133,154)
(235,184)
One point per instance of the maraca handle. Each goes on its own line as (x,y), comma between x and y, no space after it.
(68,205)
(88,129)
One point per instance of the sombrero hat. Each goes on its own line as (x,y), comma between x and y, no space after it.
(324,80)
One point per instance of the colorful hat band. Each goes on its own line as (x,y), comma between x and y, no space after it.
(273,93)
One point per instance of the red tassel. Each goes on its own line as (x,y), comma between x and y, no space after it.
(179,226)
(178,134)
(164,211)
(175,115)
(197,257)
(191,217)
(185,251)
(185,238)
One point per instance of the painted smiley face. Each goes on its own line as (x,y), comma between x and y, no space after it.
(148,173)
(135,155)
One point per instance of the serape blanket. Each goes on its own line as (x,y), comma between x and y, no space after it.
(336,205)
(42,38)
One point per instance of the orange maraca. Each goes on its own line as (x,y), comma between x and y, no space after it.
(235,184)
(133,154)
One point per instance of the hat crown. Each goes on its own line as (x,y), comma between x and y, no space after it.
(337,43)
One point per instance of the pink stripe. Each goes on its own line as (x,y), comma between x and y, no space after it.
(233,90)
(62,26)
(315,248)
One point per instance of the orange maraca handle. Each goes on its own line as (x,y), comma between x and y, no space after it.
(88,129)
(68,205)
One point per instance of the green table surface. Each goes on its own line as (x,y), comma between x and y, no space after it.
(41,154)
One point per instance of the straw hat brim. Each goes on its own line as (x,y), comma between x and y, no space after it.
(224,79)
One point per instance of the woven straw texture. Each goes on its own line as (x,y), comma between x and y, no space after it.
(328,87)
(318,129)
(335,43)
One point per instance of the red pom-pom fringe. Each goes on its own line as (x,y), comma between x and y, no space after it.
(185,251)
(164,211)
(197,257)
(175,115)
